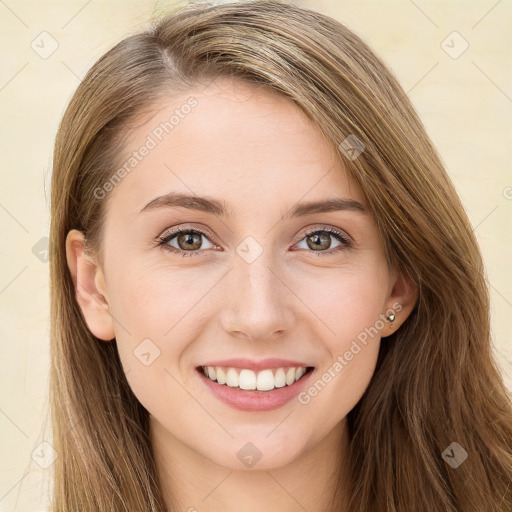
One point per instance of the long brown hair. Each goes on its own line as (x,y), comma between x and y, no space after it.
(436,382)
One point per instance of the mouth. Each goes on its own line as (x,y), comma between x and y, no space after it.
(249,380)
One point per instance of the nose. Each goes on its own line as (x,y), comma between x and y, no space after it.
(260,303)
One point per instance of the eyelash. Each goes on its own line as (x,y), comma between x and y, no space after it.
(167,237)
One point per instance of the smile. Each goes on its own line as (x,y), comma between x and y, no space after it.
(264,380)
(255,391)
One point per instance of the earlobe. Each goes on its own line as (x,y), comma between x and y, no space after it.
(401,302)
(90,288)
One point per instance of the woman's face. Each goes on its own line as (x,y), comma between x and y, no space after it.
(261,279)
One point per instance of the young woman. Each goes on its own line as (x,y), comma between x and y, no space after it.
(266,294)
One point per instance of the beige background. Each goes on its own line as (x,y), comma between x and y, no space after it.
(465,103)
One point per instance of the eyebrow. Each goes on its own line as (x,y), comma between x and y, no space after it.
(220,208)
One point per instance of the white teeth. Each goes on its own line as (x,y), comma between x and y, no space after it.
(265,380)
(232,378)
(247,379)
(299,373)
(279,378)
(221,375)
(290,376)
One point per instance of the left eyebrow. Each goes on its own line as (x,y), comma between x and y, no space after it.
(325,206)
(220,208)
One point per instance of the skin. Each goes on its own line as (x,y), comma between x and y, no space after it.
(259,153)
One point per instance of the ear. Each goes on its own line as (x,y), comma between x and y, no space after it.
(401,301)
(90,288)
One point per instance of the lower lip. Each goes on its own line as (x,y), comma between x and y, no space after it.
(253,400)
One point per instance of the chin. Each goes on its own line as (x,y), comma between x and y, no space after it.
(255,453)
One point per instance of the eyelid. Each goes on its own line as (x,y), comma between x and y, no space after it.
(346,239)
(328,229)
(169,234)
(188,227)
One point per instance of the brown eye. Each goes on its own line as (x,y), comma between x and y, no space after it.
(189,241)
(186,242)
(320,240)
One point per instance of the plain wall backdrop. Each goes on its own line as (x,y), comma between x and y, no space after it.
(453,58)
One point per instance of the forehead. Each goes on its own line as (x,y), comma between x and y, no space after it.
(244,144)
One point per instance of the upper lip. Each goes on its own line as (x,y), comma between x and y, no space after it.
(251,364)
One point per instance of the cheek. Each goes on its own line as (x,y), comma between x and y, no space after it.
(348,306)
(346,301)
(339,384)
(158,312)
(159,309)
(153,300)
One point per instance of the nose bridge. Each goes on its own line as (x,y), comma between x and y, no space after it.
(259,304)
(256,272)
(253,270)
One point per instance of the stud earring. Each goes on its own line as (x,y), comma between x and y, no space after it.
(391,317)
